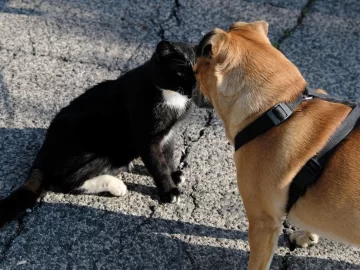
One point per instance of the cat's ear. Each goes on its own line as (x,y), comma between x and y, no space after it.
(165,48)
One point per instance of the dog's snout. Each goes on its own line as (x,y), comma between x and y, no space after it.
(200,100)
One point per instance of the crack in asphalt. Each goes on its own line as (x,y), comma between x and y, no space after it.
(289,32)
(33,51)
(175,10)
(173,14)
(193,197)
(65,59)
(146,220)
(188,144)
(38,5)
(161,34)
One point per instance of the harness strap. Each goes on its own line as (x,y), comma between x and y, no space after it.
(313,168)
(271,118)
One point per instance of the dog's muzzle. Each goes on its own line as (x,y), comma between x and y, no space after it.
(200,100)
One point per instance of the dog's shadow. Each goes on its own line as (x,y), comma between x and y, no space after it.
(89,238)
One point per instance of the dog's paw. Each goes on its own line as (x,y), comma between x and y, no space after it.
(303,239)
(178,177)
(171,196)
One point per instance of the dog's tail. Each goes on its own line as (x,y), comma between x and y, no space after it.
(23,198)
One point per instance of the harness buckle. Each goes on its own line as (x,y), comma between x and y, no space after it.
(306,98)
(279,113)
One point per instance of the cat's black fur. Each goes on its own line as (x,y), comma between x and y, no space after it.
(111,124)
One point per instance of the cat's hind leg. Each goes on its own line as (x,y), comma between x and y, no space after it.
(103,183)
(90,174)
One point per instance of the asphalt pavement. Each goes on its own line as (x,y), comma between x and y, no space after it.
(53,50)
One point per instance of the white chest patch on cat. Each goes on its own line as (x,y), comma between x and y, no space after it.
(174,99)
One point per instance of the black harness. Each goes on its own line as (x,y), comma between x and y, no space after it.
(313,168)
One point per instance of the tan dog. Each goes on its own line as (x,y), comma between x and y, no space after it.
(243,76)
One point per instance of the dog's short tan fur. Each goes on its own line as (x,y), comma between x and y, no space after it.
(243,77)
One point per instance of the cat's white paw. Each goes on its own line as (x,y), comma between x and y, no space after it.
(104,183)
(118,188)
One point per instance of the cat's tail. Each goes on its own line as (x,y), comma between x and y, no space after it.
(23,198)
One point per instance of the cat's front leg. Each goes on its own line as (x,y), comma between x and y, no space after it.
(168,152)
(156,164)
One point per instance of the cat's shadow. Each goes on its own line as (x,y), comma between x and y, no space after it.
(140,169)
(143,189)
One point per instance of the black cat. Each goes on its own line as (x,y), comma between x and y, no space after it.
(104,129)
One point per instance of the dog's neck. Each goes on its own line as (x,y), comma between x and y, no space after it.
(251,102)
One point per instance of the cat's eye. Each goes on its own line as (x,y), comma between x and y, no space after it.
(180,74)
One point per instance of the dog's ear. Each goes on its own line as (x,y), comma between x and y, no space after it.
(211,44)
(261,27)
(165,48)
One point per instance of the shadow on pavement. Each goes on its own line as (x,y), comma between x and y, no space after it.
(18,148)
(58,235)
(84,237)
(7,111)
(5,8)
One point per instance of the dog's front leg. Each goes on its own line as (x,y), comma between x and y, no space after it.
(263,238)
(156,164)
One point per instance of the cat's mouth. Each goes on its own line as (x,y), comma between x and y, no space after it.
(200,100)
